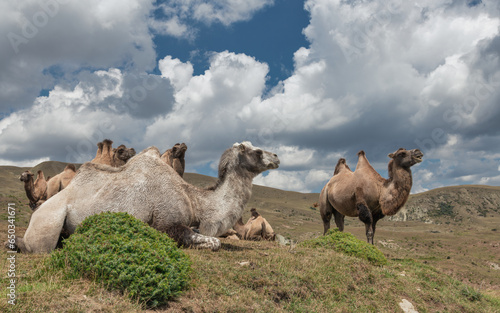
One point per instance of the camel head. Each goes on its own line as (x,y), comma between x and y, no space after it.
(123,153)
(406,158)
(26,176)
(178,150)
(254,159)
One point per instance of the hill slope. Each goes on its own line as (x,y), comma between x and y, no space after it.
(455,204)
(454,229)
(292,213)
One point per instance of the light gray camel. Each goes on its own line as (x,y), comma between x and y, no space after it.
(364,193)
(153,192)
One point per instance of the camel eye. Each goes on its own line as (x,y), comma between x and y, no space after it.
(259,153)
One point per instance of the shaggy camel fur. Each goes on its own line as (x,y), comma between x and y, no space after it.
(61,180)
(175,157)
(37,190)
(112,156)
(154,193)
(256,228)
(364,193)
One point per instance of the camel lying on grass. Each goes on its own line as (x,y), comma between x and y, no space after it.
(175,157)
(112,156)
(256,228)
(153,192)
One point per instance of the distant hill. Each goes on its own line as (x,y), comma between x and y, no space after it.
(453,204)
(293,215)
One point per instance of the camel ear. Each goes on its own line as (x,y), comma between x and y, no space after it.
(391,155)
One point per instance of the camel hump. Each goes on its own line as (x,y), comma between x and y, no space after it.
(40,173)
(70,167)
(152,151)
(99,145)
(107,142)
(341,164)
(361,153)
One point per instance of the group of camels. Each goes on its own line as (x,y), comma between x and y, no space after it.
(41,189)
(117,180)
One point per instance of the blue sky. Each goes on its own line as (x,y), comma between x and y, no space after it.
(271,36)
(310,80)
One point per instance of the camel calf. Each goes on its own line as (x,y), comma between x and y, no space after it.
(256,228)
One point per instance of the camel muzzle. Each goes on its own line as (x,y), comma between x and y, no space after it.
(417,156)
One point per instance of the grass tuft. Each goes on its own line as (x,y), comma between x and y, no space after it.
(348,244)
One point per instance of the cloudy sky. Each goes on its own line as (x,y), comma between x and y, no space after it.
(310,80)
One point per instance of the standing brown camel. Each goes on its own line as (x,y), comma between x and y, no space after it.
(61,180)
(37,190)
(364,193)
(112,156)
(154,193)
(175,157)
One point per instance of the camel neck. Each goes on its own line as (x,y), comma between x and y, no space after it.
(237,188)
(397,190)
(226,203)
(29,186)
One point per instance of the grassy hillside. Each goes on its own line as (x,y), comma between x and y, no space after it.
(457,204)
(438,262)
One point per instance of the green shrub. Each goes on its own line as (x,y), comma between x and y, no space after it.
(125,254)
(348,244)
(445,209)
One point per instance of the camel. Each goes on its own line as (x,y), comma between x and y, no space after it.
(112,156)
(121,155)
(364,193)
(256,228)
(154,193)
(175,157)
(37,190)
(61,180)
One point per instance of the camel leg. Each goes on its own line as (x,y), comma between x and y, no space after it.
(366,217)
(339,219)
(326,217)
(326,211)
(185,236)
(44,229)
(376,217)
